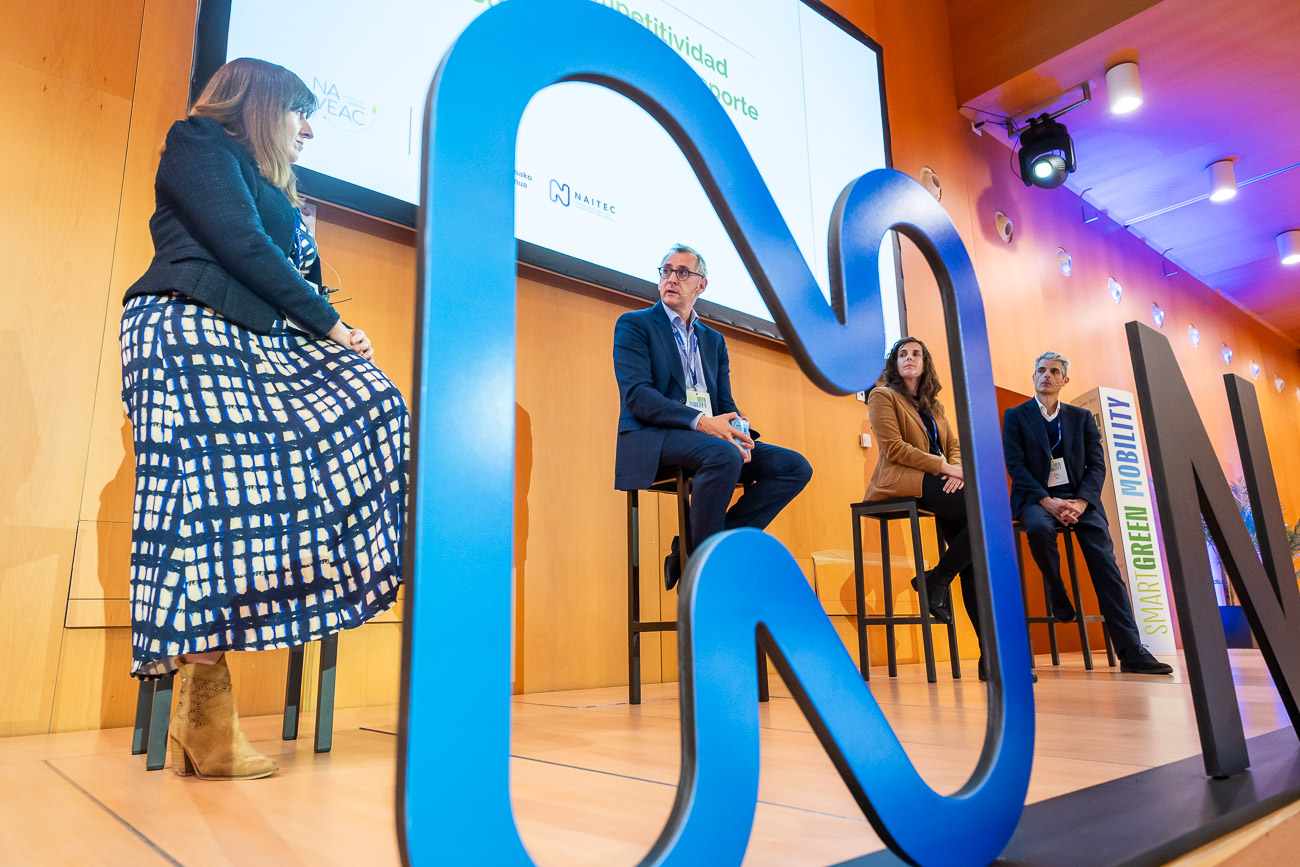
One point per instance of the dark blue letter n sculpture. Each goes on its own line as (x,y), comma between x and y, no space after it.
(454,798)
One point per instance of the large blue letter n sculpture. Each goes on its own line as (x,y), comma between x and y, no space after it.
(454,798)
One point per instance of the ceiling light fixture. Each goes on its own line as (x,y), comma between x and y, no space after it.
(1288,246)
(1123,88)
(1223,180)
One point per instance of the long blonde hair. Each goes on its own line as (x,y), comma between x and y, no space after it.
(250,99)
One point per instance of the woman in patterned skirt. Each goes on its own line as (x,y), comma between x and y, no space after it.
(269,450)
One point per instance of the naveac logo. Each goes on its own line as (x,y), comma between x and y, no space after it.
(345,111)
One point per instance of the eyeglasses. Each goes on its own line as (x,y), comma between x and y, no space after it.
(666,271)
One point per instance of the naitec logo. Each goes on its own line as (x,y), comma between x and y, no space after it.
(342,110)
(562,194)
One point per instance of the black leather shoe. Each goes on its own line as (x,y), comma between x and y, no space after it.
(1138,660)
(937,591)
(672,567)
(1062,609)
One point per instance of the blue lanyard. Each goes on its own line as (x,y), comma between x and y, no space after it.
(1058,435)
(932,431)
(689,357)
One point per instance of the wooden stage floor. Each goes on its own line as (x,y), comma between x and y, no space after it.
(593,777)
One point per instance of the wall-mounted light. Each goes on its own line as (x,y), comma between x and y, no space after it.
(1064,261)
(1116,290)
(930,181)
(1004,227)
(1288,246)
(1254,370)
(1223,180)
(1157,315)
(1194,335)
(1123,88)
(1279,384)
(1226,352)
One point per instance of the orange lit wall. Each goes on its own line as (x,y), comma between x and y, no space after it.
(97,85)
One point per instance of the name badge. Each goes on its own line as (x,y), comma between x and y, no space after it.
(698,399)
(1058,475)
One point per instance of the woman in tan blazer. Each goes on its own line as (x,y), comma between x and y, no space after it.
(920,457)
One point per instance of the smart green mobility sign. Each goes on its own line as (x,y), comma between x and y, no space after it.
(1132,512)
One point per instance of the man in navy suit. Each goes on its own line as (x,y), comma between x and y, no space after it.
(1058,467)
(674,382)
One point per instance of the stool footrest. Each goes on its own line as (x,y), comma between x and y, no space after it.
(881,620)
(653,626)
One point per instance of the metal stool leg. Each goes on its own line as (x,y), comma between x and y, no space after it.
(1078,602)
(293,693)
(1024,599)
(1051,623)
(161,709)
(143,712)
(329,657)
(860,591)
(927,640)
(684,515)
(954,655)
(633,600)
(887,581)
(1110,648)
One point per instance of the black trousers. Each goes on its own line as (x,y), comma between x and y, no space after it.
(950,516)
(772,478)
(1093,535)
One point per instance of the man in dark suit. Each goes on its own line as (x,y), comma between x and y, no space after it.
(674,382)
(1058,466)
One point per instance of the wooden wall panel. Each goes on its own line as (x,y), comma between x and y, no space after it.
(166,42)
(61,195)
(85,42)
(572,563)
(93,684)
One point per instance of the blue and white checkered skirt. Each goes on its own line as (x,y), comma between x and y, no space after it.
(270,483)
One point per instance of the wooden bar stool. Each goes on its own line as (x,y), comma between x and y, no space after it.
(680,485)
(1080,617)
(884,511)
(153,706)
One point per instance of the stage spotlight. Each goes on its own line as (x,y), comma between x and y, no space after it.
(1046,153)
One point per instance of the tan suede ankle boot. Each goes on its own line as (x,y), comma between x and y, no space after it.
(205,735)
